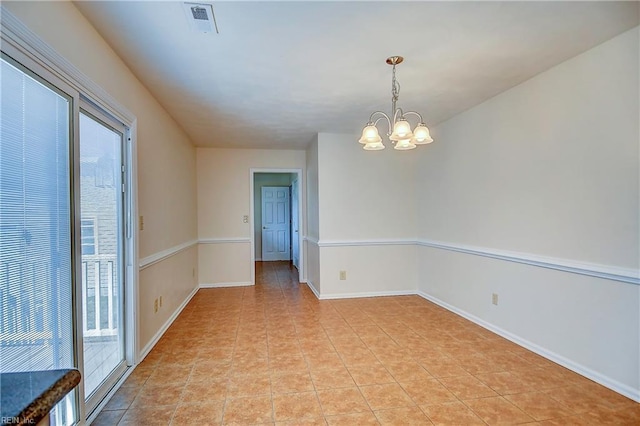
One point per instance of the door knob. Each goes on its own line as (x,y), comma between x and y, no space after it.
(264,227)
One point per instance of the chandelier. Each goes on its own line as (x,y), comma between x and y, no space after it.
(400,132)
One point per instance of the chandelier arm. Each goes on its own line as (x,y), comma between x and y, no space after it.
(380,118)
(415,113)
(396,115)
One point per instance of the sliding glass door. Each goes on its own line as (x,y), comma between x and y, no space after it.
(62,236)
(36,260)
(101,205)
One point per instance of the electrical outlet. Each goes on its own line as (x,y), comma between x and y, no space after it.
(161,301)
(141,223)
(343,275)
(494,298)
(155,306)
(245,219)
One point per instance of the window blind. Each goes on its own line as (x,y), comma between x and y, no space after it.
(36,327)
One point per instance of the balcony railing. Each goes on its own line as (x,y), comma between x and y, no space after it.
(100,297)
(24,317)
(29,319)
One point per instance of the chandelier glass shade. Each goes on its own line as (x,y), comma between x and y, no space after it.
(400,133)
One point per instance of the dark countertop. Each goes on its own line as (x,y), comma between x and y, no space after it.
(27,397)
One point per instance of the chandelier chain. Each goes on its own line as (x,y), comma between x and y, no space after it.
(395,86)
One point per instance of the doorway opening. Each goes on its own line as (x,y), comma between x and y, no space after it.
(276,217)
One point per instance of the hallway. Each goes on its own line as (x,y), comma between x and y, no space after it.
(274,354)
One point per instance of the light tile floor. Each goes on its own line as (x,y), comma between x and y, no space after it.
(274,354)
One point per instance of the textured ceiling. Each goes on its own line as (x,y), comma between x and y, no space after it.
(279,72)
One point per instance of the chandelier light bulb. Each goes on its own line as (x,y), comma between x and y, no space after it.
(421,135)
(404,145)
(401,130)
(374,146)
(370,135)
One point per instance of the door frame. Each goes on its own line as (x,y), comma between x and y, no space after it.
(252,219)
(299,231)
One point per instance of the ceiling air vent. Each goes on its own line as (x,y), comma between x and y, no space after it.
(201,18)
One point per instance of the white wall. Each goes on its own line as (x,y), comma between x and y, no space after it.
(178,275)
(365,194)
(224,197)
(548,168)
(371,270)
(260,180)
(367,217)
(312,230)
(166,158)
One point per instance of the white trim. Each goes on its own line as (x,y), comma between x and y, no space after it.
(367,294)
(222,285)
(302,197)
(608,272)
(17,32)
(366,243)
(608,382)
(132,239)
(145,351)
(614,273)
(224,240)
(313,289)
(164,254)
(312,240)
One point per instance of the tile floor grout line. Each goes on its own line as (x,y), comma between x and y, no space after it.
(395,333)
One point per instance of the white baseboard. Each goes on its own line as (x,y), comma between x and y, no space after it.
(608,382)
(145,351)
(313,288)
(221,285)
(367,294)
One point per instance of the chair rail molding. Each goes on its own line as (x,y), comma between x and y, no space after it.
(224,240)
(312,240)
(366,243)
(614,273)
(164,254)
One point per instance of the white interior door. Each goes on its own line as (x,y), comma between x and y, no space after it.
(295,241)
(275,223)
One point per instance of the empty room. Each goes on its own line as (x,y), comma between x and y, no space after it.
(320,212)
